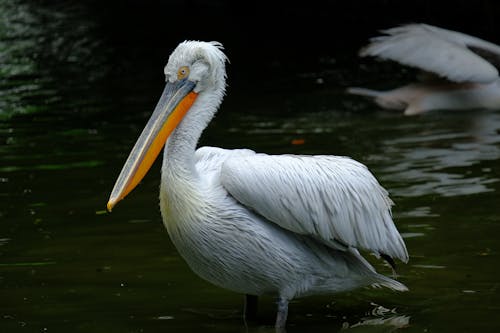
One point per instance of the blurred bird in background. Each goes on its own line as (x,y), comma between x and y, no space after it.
(457,70)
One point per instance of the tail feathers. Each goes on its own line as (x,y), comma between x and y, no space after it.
(379,279)
(385,281)
(364,92)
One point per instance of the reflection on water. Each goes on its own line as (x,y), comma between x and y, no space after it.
(433,160)
(380,318)
(389,324)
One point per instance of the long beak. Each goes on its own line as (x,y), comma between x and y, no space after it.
(174,103)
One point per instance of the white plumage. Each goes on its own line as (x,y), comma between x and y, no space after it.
(253,223)
(457,76)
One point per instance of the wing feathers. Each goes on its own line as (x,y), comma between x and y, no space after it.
(334,199)
(436,50)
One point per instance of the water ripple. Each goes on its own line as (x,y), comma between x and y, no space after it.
(445,161)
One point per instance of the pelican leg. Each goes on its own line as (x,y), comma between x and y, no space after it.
(282,313)
(250,308)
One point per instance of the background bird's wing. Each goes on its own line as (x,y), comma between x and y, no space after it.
(444,52)
(334,199)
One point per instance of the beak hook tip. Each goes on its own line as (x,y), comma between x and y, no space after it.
(110,205)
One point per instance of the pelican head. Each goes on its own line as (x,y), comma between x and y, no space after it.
(192,69)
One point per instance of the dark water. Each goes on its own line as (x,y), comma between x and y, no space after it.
(70,111)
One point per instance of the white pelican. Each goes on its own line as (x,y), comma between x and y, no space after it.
(253,223)
(455,76)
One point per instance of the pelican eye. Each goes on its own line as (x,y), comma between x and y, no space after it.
(183,72)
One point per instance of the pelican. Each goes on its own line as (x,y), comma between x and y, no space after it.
(456,72)
(257,224)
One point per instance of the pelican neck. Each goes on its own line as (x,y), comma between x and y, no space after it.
(181,146)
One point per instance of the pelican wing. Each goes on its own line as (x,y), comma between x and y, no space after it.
(443,52)
(334,199)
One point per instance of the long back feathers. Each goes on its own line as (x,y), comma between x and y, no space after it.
(331,198)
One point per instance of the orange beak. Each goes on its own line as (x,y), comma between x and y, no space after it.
(174,103)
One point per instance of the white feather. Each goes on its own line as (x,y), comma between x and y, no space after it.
(469,81)
(331,198)
(444,52)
